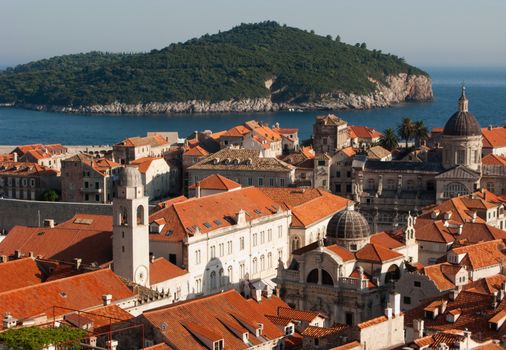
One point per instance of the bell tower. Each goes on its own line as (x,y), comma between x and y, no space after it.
(131,228)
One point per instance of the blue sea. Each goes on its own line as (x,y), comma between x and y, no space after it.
(486,90)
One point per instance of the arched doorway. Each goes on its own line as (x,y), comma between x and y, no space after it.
(393,274)
(312,277)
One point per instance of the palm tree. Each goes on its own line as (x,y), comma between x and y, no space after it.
(420,132)
(389,139)
(405,129)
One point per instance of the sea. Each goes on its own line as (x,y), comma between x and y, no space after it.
(485,87)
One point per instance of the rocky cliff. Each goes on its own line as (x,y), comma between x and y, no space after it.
(399,88)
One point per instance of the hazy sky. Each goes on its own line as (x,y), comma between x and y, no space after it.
(425,32)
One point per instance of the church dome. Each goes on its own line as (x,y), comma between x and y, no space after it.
(462,122)
(348,224)
(130,177)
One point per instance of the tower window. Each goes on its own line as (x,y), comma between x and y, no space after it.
(123,248)
(140,215)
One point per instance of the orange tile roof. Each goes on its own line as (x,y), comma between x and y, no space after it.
(493,159)
(364,132)
(77,292)
(483,254)
(236,131)
(308,205)
(488,285)
(161,270)
(435,274)
(343,253)
(151,140)
(19,273)
(84,236)
(432,341)
(437,130)
(318,332)
(217,182)
(212,212)
(268,306)
(372,322)
(348,346)
(308,152)
(161,346)
(376,253)
(349,151)
(385,240)
(143,164)
(298,315)
(105,316)
(25,169)
(210,313)
(196,151)
(494,138)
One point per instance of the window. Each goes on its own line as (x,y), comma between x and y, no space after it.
(229,247)
(349,318)
(97,197)
(213,252)
(250,181)
(348,188)
(262,237)
(242,270)
(269,235)
(218,345)
(280,254)
(213,279)
(282,182)
(198,285)
(221,278)
(476,156)
(229,274)
(241,243)
(410,185)
(271,182)
(490,186)
(455,189)
(289,330)
(97,185)
(417,283)
(222,249)
(348,174)
(338,173)
(86,197)
(197,257)
(461,156)
(337,188)
(321,163)
(255,265)
(390,184)
(262,263)
(254,240)
(280,231)
(295,243)
(172,258)
(260,181)
(269,260)
(86,185)
(407,300)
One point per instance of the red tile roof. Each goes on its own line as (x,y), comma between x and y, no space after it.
(318,332)
(386,240)
(298,315)
(494,137)
(215,314)
(25,169)
(363,132)
(483,254)
(308,205)
(19,273)
(344,254)
(372,322)
(151,140)
(77,292)
(349,346)
(84,236)
(161,346)
(217,182)
(435,274)
(493,159)
(376,253)
(212,212)
(196,151)
(105,316)
(161,270)
(143,164)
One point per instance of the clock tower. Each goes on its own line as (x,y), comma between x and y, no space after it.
(130,228)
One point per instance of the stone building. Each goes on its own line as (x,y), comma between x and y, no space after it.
(330,134)
(244,166)
(138,147)
(88,179)
(155,173)
(22,180)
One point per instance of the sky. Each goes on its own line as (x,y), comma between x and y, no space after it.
(426,33)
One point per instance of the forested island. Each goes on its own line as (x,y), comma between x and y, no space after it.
(252,67)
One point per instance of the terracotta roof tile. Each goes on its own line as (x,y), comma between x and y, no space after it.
(349,346)
(344,254)
(210,313)
(484,254)
(161,346)
(318,332)
(364,132)
(161,270)
(376,253)
(435,274)
(196,151)
(217,182)
(386,240)
(143,164)
(493,159)
(45,298)
(19,273)
(372,322)
(298,315)
(494,137)
(151,140)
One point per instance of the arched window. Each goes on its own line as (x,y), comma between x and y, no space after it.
(295,243)
(262,263)
(222,278)
(393,273)
(313,276)
(123,216)
(455,189)
(213,280)
(327,278)
(269,260)
(229,273)
(140,215)
(255,265)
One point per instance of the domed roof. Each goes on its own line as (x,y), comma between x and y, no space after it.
(462,122)
(130,177)
(348,224)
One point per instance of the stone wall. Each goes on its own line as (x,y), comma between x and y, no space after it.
(32,213)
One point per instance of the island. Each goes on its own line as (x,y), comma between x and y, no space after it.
(250,68)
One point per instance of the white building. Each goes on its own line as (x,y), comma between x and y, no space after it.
(155,174)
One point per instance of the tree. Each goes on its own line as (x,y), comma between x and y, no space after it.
(50,196)
(338,38)
(363,46)
(406,130)
(420,132)
(389,140)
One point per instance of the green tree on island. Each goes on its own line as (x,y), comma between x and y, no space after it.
(389,140)
(406,130)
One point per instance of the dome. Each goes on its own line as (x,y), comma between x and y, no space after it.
(348,224)
(130,177)
(462,124)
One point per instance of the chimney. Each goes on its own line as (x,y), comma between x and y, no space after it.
(257,294)
(106,298)
(459,229)
(489,127)
(9,321)
(3,258)
(241,217)
(78,262)
(395,303)
(31,255)
(388,312)
(418,327)
(473,219)
(49,223)
(152,258)
(198,190)
(112,344)
(17,254)
(92,341)
(15,156)
(448,215)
